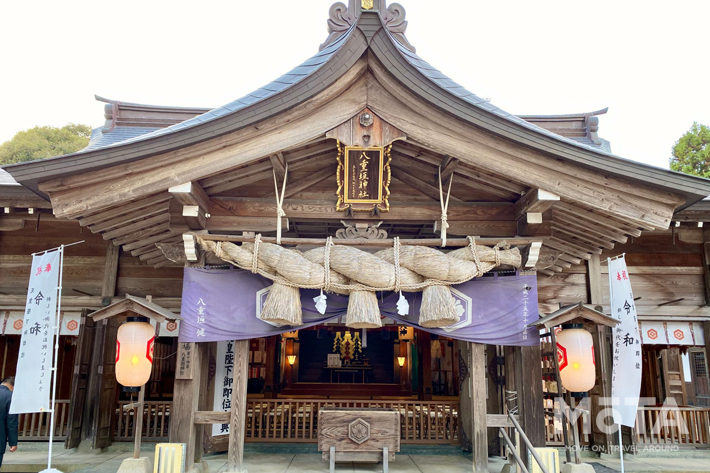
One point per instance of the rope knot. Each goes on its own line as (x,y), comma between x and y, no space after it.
(255,254)
(326,263)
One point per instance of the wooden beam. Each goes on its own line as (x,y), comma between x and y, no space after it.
(402,211)
(479,418)
(588,227)
(423,187)
(150,246)
(186,403)
(448,166)
(294,188)
(131,216)
(598,219)
(194,216)
(10,225)
(535,200)
(595,285)
(190,193)
(227,223)
(148,241)
(530,398)
(453,242)
(581,235)
(576,244)
(237,424)
(562,246)
(108,287)
(142,234)
(511,188)
(529,223)
(278,163)
(134,227)
(123,209)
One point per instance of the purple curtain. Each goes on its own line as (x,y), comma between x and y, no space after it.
(223,305)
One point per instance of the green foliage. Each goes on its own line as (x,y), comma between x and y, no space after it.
(44,142)
(691,153)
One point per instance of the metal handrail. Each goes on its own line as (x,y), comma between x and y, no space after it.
(527,443)
(513,450)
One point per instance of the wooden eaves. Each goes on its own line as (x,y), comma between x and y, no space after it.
(133,305)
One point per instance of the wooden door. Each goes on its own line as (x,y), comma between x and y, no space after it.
(80,380)
(673,379)
(700,381)
(105,408)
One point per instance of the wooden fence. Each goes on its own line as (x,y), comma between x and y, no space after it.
(296,420)
(677,425)
(35,426)
(156,421)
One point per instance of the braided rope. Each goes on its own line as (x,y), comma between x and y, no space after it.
(474,253)
(397,270)
(219,251)
(255,255)
(326,263)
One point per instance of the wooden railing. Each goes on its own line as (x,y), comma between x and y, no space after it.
(296,420)
(35,426)
(676,425)
(156,421)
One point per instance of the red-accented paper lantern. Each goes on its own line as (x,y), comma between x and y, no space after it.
(134,353)
(575,352)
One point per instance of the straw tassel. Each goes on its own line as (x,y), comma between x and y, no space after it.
(438,308)
(283,306)
(363,310)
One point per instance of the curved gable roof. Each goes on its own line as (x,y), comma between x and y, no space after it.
(383,34)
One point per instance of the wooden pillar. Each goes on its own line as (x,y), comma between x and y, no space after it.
(108,288)
(530,397)
(186,402)
(465,409)
(479,437)
(424,345)
(270,388)
(237,425)
(602,354)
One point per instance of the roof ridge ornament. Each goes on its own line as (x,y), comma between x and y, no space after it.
(342,17)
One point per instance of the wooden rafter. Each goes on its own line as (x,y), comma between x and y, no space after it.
(142,234)
(278,164)
(123,209)
(597,219)
(132,216)
(413,181)
(535,200)
(590,227)
(135,227)
(294,188)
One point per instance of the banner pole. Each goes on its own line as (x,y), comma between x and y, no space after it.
(621,449)
(57,328)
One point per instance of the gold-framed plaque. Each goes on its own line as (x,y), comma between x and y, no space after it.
(364,177)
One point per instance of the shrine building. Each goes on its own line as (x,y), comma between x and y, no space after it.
(361,232)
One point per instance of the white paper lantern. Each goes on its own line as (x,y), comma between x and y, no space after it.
(575,352)
(134,353)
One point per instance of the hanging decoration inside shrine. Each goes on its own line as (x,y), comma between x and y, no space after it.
(348,347)
(350,271)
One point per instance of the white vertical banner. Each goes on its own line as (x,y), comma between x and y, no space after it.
(223,380)
(626,348)
(33,379)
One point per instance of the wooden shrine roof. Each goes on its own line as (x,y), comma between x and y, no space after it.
(125,184)
(382,34)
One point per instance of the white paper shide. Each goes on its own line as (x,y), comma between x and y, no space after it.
(626,347)
(33,381)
